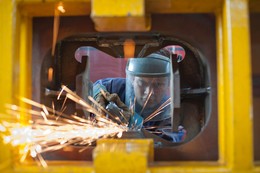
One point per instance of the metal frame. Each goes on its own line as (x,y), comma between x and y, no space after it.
(233,69)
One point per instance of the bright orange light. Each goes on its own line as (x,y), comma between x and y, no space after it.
(57,130)
(129,48)
(50,74)
(61,8)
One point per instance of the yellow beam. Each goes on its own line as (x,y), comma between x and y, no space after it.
(63,167)
(41,8)
(237,86)
(222,128)
(109,155)
(233,65)
(7,53)
(83,7)
(25,65)
(7,47)
(117,8)
(182,6)
(126,15)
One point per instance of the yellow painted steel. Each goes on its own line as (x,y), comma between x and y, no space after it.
(180,6)
(117,8)
(46,8)
(7,54)
(126,15)
(222,135)
(25,65)
(237,79)
(234,81)
(62,167)
(7,45)
(123,155)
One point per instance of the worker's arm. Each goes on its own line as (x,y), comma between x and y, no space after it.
(112,103)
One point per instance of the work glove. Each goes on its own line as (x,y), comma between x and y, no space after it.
(116,109)
(178,136)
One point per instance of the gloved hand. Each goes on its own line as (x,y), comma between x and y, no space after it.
(136,122)
(175,136)
(103,98)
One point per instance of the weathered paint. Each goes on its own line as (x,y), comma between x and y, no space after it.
(234,85)
(237,79)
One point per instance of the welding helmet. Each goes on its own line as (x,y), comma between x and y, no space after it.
(148,84)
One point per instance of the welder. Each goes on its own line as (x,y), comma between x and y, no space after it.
(143,97)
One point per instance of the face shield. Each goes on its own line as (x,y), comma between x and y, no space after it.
(148,83)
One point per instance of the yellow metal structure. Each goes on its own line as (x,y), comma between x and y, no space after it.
(233,54)
(125,15)
(109,155)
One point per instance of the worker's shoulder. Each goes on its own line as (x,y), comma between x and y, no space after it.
(108,80)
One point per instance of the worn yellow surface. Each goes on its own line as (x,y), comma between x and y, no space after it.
(117,8)
(126,15)
(120,155)
(234,81)
(237,86)
(7,45)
